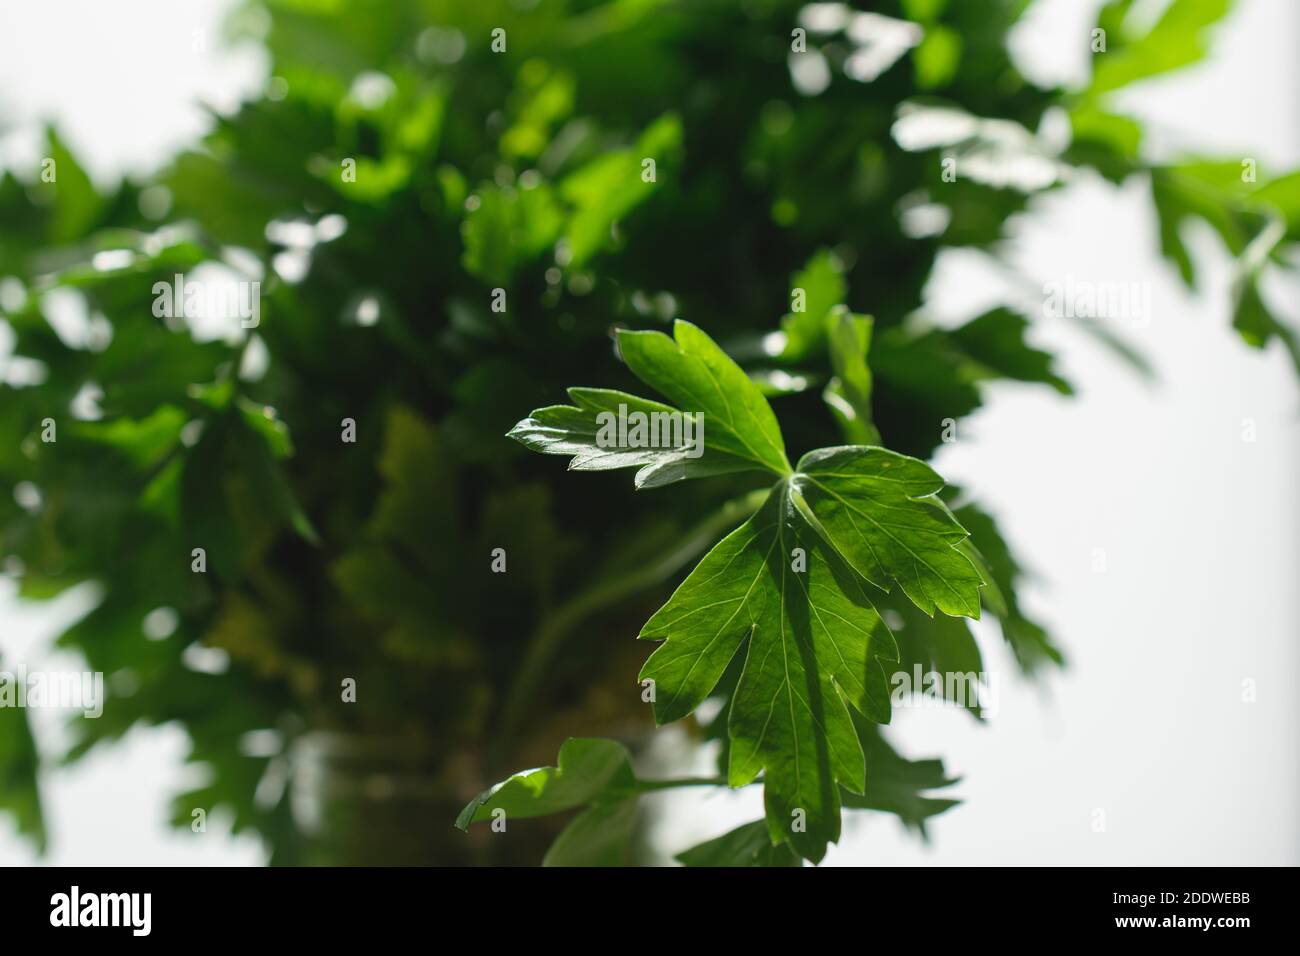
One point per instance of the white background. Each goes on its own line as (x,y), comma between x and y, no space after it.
(1147,729)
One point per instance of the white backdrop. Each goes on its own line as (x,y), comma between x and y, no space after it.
(1148,727)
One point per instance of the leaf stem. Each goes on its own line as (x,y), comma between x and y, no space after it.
(558,626)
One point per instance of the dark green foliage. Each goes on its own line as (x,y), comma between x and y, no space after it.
(372,561)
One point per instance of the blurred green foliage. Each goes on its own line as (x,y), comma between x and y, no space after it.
(397,171)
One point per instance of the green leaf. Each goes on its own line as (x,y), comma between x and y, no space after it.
(161,496)
(598,836)
(76,203)
(608,188)
(1091,126)
(937,58)
(234,492)
(747,845)
(415,465)
(1251,316)
(405,568)
(543,96)
(265,421)
(589,432)
(1029,641)
(1282,196)
(265,478)
(1251,223)
(19,764)
(692,371)
(1176,40)
(849,393)
(588,769)
(145,441)
(879,510)
(815,646)
(1196,190)
(509,228)
(996,340)
(943,646)
(921,378)
(897,785)
(820,286)
(592,773)
(788,584)
(720,407)
(1256,324)
(926,375)
(215,395)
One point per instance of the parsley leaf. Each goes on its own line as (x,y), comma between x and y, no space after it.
(789,586)
(815,645)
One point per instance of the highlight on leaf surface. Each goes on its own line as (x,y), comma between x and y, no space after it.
(588,431)
(788,589)
(814,648)
(879,510)
(747,845)
(722,422)
(592,773)
(691,370)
